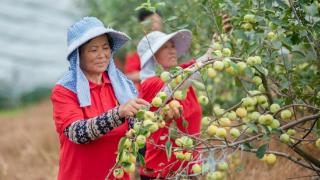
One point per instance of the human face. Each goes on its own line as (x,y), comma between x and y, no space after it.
(167,55)
(155,22)
(95,55)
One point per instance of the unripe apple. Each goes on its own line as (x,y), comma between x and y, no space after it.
(196,169)
(218,111)
(179,142)
(149,115)
(216,46)
(118,173)
(226,62)
(262,99)
(318,143)
(156,101)
(251,61)
(258,60)
(178,95)
(241,112)
(274,108)
(212,73)
(225,122)
(222,166)
(137,126)
(162,95)
(153,127)
(248,101)
(271,36)
(188,156)
(261,88)
(217,175)
(187,142)
(203,100)
(211,130)
(268,119)
(242,66)
(291,132)
(247,26)
(250,108)
(257,80)
(232,115)
(285,114)
(205,121)
(271,159)
(275,124)
(179,155)
(285,138)
(226,52)
(174,104)
(130,168)
(231,71)
(218,65)
(217,53)
(250,18)
(254,116)
(141,141)
(165,76)
(265,105)
(221,132)
(235,133)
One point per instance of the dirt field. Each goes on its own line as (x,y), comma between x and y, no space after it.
(29,150)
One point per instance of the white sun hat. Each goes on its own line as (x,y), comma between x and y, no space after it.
(153,41)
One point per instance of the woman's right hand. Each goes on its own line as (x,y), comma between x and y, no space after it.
(130,108)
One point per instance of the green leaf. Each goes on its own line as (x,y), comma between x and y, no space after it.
(246,146)
(171,18)
(198,85)
(141,160)
(140,115)
(120,145)
(185,123)
(252,126)
(168,149)
(239,168)
(261,151)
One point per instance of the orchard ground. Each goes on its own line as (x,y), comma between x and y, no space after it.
(29,150)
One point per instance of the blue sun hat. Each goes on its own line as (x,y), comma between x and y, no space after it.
(75,80)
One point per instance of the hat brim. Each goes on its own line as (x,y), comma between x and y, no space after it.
(118,38)
(181,39)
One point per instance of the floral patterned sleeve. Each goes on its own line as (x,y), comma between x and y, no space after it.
(85,131)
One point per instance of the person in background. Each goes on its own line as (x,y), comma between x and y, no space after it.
(92,102)
(132,61)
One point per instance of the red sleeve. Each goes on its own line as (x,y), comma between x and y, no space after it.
(187,64)
(66,108)
(150,87)
(132,63)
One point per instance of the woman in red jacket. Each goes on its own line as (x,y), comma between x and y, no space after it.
(164,49)
(91,103)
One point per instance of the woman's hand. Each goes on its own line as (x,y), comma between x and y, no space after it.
(130,108)
(173,110)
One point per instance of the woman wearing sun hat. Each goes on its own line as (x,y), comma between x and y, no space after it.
(165,49)
(91,102)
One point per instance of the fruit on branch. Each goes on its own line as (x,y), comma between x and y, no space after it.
(232,115)
(127,143)
(257,80)
(241,112)
(179,155)
(232,71)
(187,142)
(254,116)
(225,122)
(196,169)
(218,111)
(262,99)
(153,127)
(249,101)
(318,143)
(156,102)
(247,26)
(118,173)
(261,88)
(274,108)
(271,159)
(216,175)
(162,95)
(242,66)
(178,95)
(271,36)
(221,132)
(165,76)
(234,132)
(179,142)
(218,65)
(249,18)
(141,141)
(216,46)
(174,104)
(223,166)
(203,100)
(212,73)
(129,168)
(285,114)
(275,124)
(291,132)
(149,115)
(211,130)
(188,156)
(226,52)
(217,53)
(285,138)
(205,121)
(266,119)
